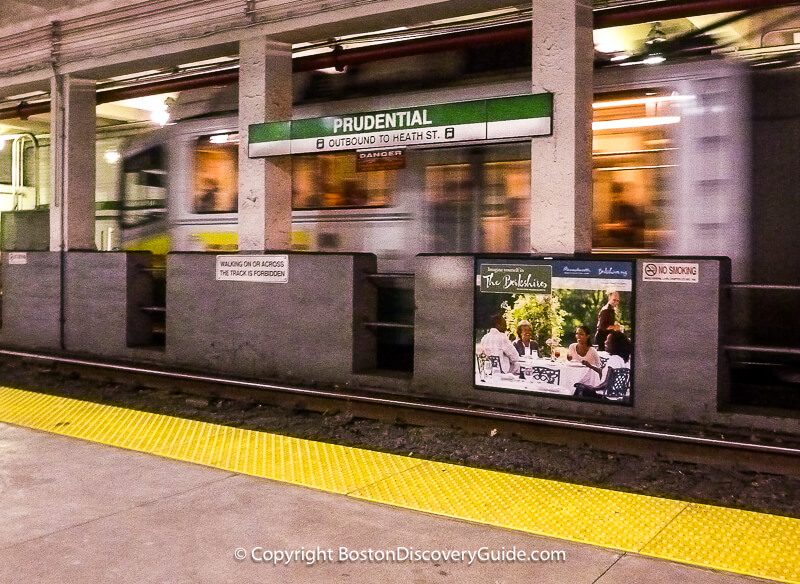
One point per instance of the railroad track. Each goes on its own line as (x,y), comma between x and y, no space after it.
(754,471)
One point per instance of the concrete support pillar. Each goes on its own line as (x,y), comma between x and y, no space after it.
(72,163)
(561,164)
(265,185)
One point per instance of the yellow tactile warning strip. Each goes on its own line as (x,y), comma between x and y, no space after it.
(751,543)
(329,467)
(744,542)
(557,509)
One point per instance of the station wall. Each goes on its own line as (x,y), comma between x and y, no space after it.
(31,302)
(311,331)
(304,331)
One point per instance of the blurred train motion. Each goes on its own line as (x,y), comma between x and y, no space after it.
(671,175)
(672,167)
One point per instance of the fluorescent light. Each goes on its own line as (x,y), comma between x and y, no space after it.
(215,61)
(218,139)
(375,33)
(134,75)
(332,70)
(498,12)
(26,95)
(635,123)
(618,168)
(161,117)
(640,101)
(654,60)
(310,52)
(150,103)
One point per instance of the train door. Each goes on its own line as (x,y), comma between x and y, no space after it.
(143,192)
(341,205)
(633,153)
(672,160)
(204,188)
(478,198)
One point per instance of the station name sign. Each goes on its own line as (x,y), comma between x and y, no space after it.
(518,116)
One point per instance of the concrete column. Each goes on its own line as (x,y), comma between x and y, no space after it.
(265,185)
(72,163)
(561,171)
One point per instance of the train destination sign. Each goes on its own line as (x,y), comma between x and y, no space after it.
(272,269)
(518,116)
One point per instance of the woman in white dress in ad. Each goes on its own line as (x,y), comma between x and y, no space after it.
(584,353)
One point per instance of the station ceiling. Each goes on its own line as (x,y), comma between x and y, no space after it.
(764,37)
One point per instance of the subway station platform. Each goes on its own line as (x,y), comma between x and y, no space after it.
(93,493)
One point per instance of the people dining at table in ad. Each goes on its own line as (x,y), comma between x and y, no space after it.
(508,357)
(497,344)
(525,345)
(619,348)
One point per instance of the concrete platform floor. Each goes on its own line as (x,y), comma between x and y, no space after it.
(78,512)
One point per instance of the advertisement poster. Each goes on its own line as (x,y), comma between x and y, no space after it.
(555,327)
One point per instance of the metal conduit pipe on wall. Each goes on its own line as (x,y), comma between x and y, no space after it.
(655,11)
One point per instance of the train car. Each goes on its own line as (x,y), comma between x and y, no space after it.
(670,169)
(181,180)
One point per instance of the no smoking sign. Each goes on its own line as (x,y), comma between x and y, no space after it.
(670,272)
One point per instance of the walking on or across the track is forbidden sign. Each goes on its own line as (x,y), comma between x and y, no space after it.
(518,116)
(270,269)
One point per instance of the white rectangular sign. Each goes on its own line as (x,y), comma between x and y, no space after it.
(670,272)
(272,269)
(19,258)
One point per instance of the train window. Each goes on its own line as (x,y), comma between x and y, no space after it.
(481,202)
(143,187)
(330,181)
(215,183)
(633,154)
(29,160)
(5,163)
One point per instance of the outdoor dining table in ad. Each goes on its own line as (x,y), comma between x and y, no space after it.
(568,375)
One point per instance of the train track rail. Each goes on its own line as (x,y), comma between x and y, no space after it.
(709,468)
(380,398)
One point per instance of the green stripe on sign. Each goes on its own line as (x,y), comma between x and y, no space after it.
(519,107)
(312,127)
(459,113)
(269,132)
